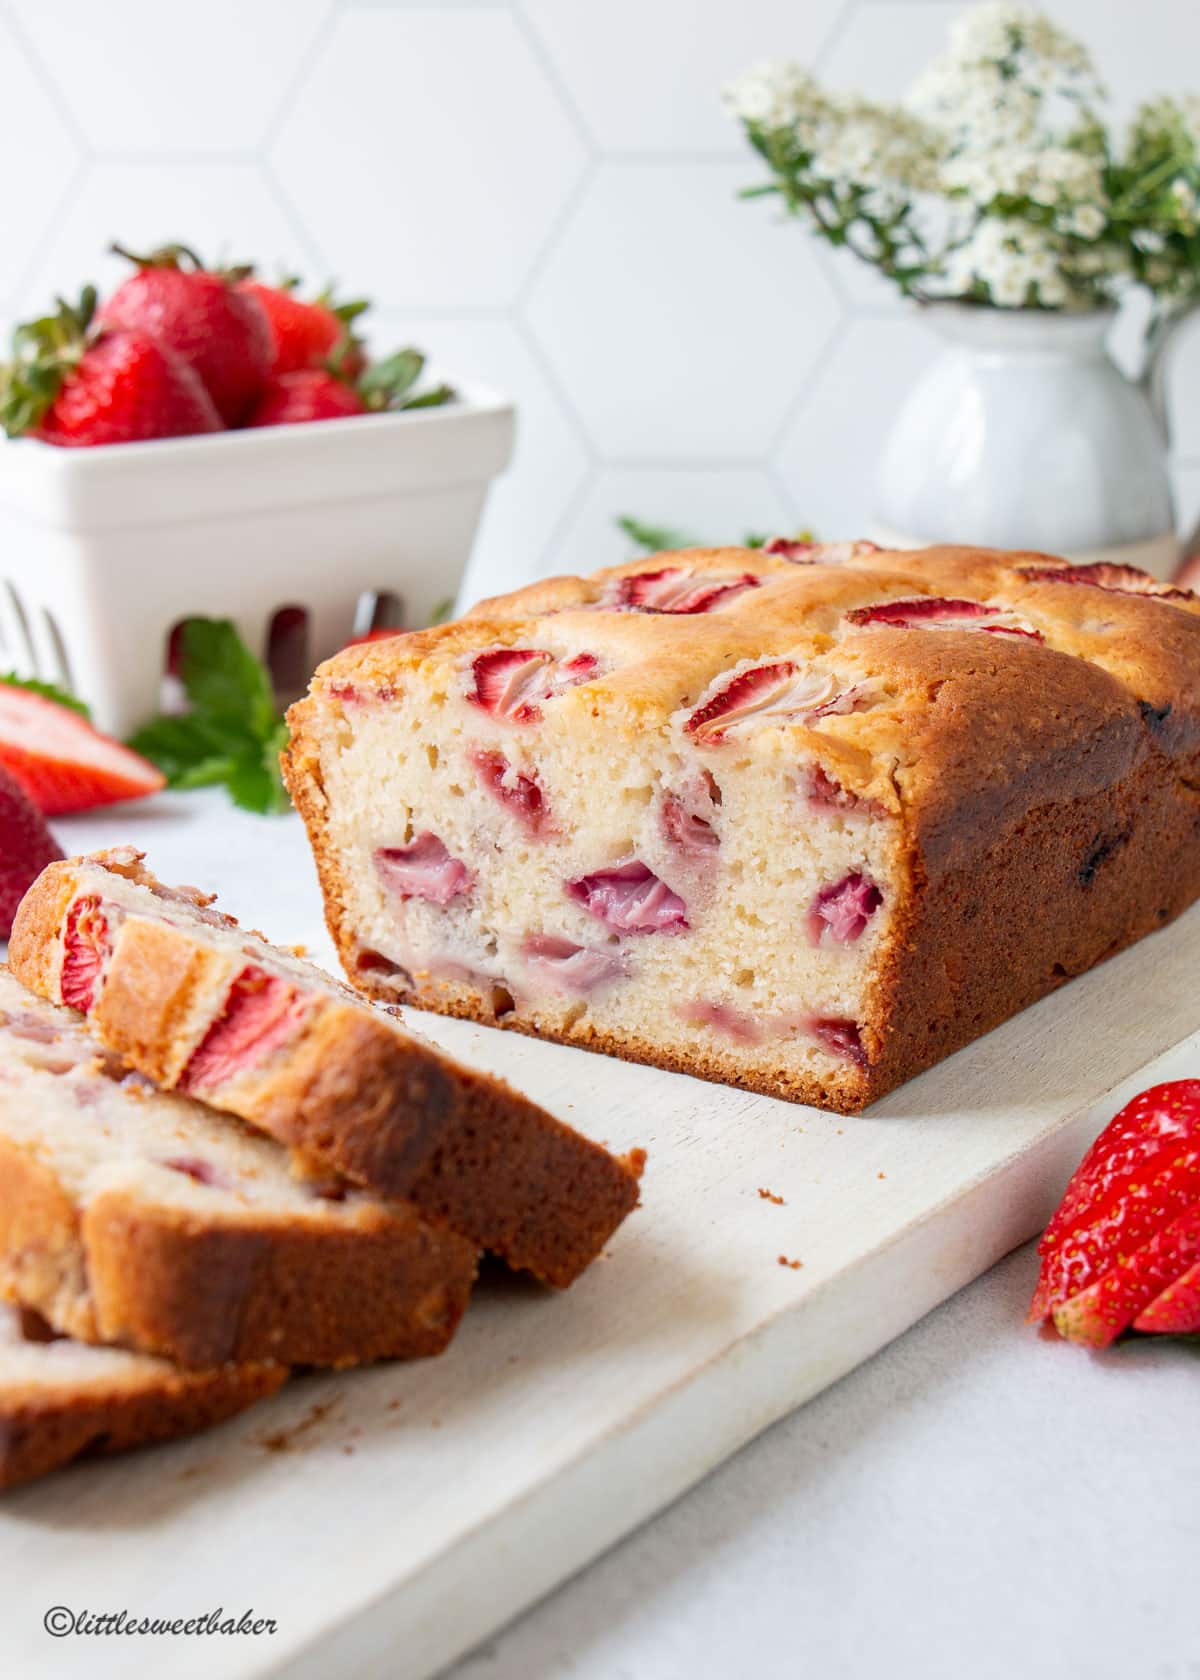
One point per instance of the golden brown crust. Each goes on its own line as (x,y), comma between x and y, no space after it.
(1047,790)
(353,1094)
(42,1430)
(392,1287)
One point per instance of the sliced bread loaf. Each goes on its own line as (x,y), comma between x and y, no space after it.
(197,1003)
(144,1220)
(60,1399)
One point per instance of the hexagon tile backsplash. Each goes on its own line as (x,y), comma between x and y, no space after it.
(542,194)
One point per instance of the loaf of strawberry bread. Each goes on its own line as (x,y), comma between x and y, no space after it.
(197,1003)
(801,819)
(147,1221)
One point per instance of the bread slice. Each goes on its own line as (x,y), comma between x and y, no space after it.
(195,1002)
(144,1220)
(60,1399)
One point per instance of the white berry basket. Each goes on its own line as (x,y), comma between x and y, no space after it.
(103,551)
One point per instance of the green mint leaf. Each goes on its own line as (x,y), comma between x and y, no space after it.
(233,735)
(48,691)
(653,538)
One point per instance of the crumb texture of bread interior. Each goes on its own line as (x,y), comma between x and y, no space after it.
(691,810)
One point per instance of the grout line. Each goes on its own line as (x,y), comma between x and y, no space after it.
(552,238)
(321,36)
(545,366)
(46,82)
(557,82)
(298,227)
(566,519)
(816,370)
(39,246)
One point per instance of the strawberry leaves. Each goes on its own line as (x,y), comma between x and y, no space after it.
(233,734)
(389,384)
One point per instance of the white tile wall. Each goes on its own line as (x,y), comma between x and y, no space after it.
(541,192)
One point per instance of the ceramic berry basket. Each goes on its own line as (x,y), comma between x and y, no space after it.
(103,550)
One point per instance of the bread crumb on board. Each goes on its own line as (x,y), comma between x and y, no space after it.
(794,1264)
(770,1196)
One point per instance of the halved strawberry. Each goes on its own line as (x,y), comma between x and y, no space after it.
(629,899)
(1103,574)
(1128,1228)
(777,692)
(86,945)
(61,761)
(509,681)
(676,590)
(931,612)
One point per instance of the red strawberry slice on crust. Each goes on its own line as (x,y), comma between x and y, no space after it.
(510,681)
(930,612)
(769,693)
(818,554)
(675,590)
(629,899)
(566,967)
(519,791)
(840,912)
(1103,574)
(86,946)
(423,869)
(61,761)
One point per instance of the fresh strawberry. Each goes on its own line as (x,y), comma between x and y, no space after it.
(26,847)
(289,399)
(1123,1249)
(1103,574)
(75,384)
(219,330)
(61,761)
(309,333)
(674,590)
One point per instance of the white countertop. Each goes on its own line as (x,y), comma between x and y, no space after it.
(975,1503)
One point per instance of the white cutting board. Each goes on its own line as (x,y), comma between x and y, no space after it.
(409,1510)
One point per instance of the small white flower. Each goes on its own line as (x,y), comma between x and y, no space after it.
(1086,221)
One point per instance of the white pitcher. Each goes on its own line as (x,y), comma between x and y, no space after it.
(1023,433)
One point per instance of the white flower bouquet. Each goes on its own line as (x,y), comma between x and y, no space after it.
(996,181)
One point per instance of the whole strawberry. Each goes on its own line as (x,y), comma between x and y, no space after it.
(322,394)
(1123,1249)
(310,333)
(26,847)
(219,330)
(76,384)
